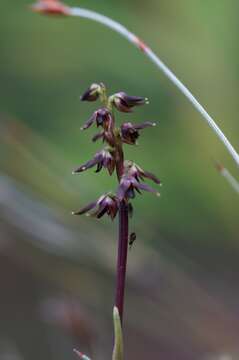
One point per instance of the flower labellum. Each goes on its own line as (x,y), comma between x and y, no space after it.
(125,103)
(93,92)
(130,132)
(50,7)
(103,158)
(106,204)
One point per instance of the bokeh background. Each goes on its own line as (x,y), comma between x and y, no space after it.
(57,272)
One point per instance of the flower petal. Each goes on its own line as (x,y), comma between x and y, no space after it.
(144,125)
(89,164)
(85,209)
(89,122)
(150,176)
(134,100)
(146,187)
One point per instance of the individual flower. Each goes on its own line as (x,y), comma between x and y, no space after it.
(130,132)
(106,204)
(103,158)
(101,117)
(130,181)
(125,103)
(93,92)
(50,7)
(128,185)
(138,173)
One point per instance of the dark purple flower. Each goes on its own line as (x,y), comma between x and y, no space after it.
(135,170)
(125,103)
(103,158)
(93,92)
(106,204)
(130,181)
(128,185)
(130,132)
(101,117)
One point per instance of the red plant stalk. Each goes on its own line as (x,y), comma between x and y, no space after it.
(122,257)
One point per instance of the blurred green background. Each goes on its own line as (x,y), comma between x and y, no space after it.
(57,272)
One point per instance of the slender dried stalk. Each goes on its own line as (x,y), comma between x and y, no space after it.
(228,176)
(84,13)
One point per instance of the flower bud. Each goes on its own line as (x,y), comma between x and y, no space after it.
(93,92)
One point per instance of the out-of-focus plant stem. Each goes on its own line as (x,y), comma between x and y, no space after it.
(228,176)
